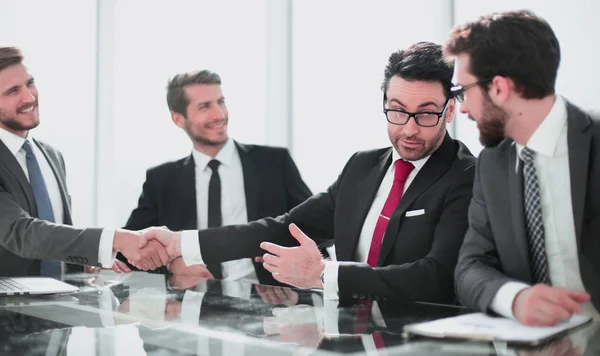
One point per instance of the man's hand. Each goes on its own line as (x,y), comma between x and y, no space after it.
(299,266)
(300,324)
(173,309)
(169,239)
(277,295)
(118,266)
(151,257)
(181,282)
(542,305)
(178,267)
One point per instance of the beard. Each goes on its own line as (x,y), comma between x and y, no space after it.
(493,122)
(203,140)
(11,122)
(425,148)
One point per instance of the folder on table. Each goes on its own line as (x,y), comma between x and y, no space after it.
(479,326)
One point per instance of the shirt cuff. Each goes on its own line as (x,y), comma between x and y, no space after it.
(190,248)
(503,300)
(330,281)
(331,318)
(240,289)
(191,304)
(106,255)
(106,308)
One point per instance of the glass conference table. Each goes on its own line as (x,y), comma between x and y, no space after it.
(149,314)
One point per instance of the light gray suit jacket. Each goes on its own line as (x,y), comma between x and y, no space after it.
(24,240)
(495,249)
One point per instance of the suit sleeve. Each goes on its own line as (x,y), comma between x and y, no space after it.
(429,278)
(32,238)
(296,190)
(478,272)
(314,217)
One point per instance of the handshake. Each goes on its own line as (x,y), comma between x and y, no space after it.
(150,248)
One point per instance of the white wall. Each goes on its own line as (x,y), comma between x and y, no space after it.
(339,56)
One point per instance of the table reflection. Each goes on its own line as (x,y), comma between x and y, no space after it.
(149,314)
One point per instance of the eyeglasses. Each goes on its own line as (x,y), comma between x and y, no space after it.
(424,119)
(458,91)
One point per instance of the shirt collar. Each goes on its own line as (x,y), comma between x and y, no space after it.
(225,156)
(545,138)
(13,142)
(418,163)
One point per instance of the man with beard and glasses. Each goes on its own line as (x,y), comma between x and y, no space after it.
(532,251)
(397,215)
(222,182)
(35,206)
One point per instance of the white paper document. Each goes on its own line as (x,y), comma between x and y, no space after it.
(483,327)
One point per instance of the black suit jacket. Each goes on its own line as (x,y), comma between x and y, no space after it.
(495,250)
(418,253)
(17,197)
(272,184)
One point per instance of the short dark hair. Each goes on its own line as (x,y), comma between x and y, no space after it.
(10,56)
(423,61)
(176,98)
(518,45)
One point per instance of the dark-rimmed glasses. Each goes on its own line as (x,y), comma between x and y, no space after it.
(458,91)
(424,119)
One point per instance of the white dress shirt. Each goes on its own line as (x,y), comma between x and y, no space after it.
(331,287)
(549,141)
(14,144)
(233,208)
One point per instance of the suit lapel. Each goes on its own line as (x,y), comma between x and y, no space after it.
(436,166)
(369,184)
(250,181)
(579,139)
(516,206)
(60,178)
(12,165)
(187,196)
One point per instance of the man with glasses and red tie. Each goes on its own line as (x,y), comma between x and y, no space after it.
(397,215)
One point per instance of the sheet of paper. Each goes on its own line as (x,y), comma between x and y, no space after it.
(481,326)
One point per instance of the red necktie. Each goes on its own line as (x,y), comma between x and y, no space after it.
(401,171)
(362,314)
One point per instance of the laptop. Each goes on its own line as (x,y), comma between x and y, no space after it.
(33,286)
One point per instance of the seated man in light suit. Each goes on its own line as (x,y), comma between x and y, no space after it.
(398,214)
(532,251)
(249,182)
(35,206)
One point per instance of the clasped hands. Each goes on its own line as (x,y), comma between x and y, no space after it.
(154,247)
(300,266)
(150,248)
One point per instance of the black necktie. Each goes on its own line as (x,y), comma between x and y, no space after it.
(48,268)
(214,209)
(533,215)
